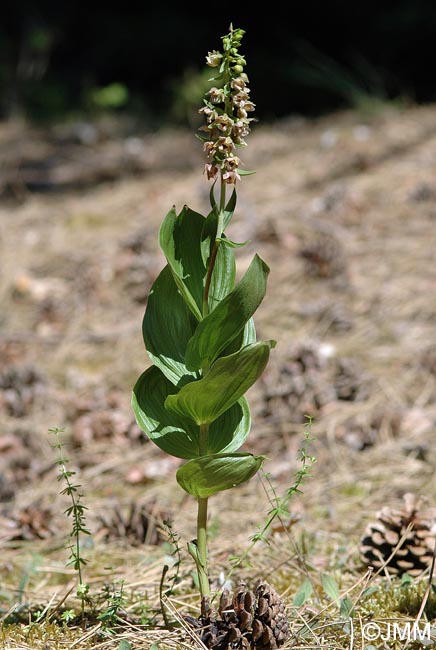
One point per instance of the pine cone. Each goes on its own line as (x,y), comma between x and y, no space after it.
(137,526)
(415,553)
(248,621)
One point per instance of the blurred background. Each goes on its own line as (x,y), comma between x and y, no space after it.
(61,59)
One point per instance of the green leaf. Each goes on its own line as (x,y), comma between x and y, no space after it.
(208,236)
(245,172)
(226,381)
(176,435)
(205,476)
(179,436)
(246,337)
(223,276)
(331,588)
(406,579)
(346,607)
(229,210)
(229,432)
(233,244)
(228,319)
(167,327)
(369,591)
(179,238)
(125,645)
(303,594)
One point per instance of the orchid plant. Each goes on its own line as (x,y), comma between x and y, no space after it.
(198,325)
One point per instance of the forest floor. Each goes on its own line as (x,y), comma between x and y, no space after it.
(343,209)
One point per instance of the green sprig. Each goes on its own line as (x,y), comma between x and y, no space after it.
(76,511)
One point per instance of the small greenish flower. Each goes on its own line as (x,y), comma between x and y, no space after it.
(213,58)
(225,145)
(224,123)
(216,95)
(209,148)
(231,177)
(240,131)
(239,83)
(209,112)
(231,163)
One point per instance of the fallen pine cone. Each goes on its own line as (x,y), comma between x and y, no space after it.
(248,621)
(412,532)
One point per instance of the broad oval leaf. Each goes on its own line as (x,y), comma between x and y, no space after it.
(180,241)
(179,436)
(246,337)
(229,432)
(226,381)
(228,319)
(176,435)
(167,327)
(207,475)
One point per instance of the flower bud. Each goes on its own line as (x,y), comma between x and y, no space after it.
(237,69)
(238,34)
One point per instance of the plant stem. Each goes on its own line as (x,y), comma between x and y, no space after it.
(214,252)
(203,576)
(201,560)
(202,443)
(222,197)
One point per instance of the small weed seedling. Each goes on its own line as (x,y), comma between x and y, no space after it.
(76,511)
